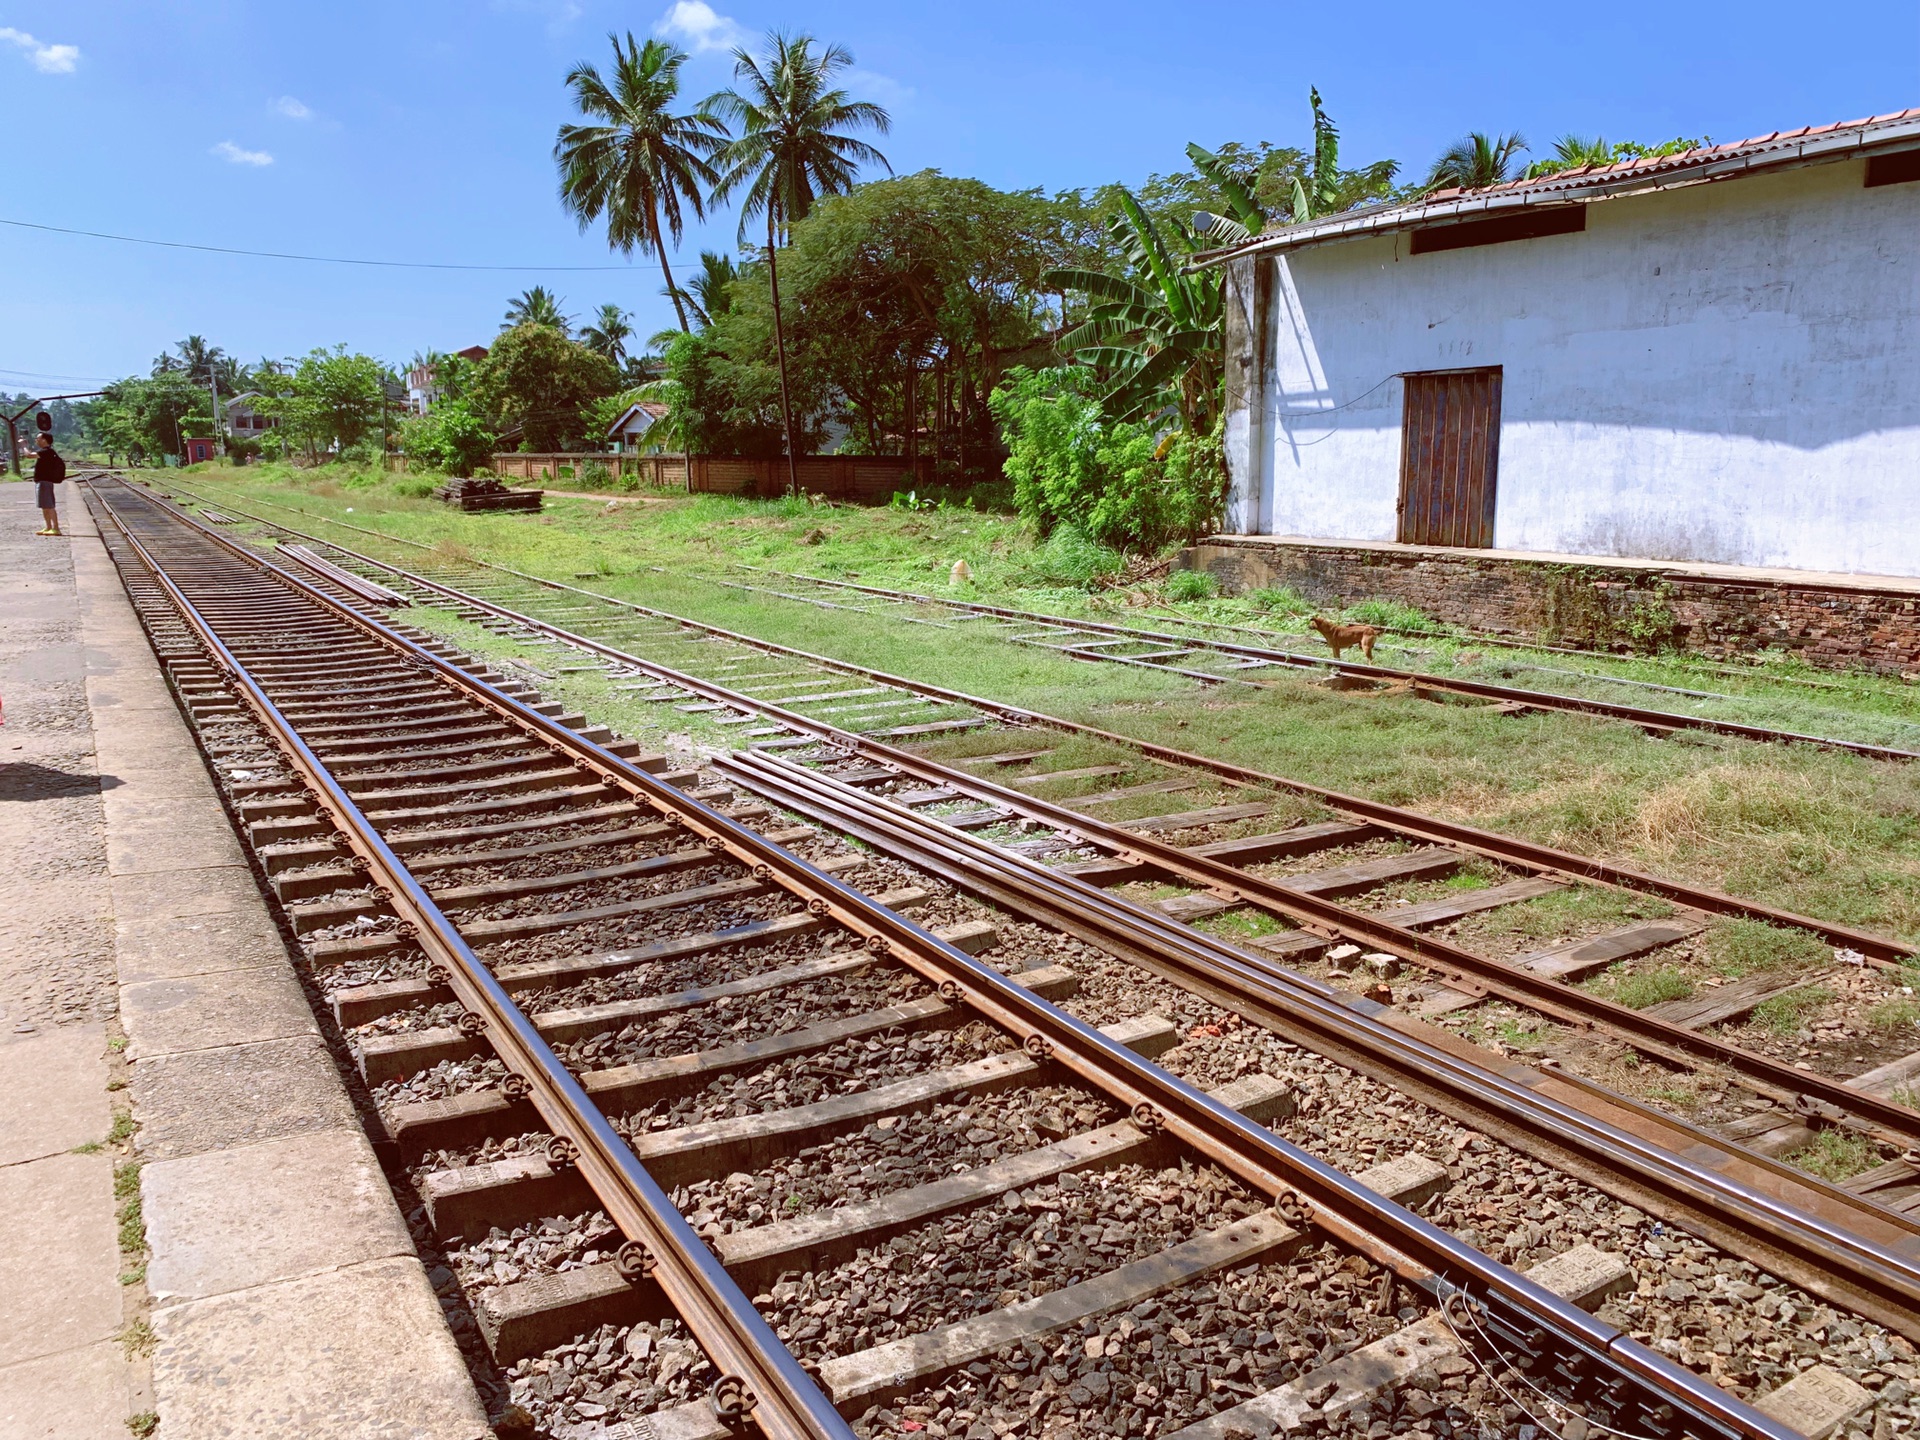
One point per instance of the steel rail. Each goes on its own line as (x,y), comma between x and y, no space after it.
(1881,1279)
(1509,849)
(1527,1314)
(1478,689)
(1813,1094)
(771,1386)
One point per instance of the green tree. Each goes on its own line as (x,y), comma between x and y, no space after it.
(451,437)
(538,306)
(537,379)
(1570,152)
(640,160)
(792,147)
(332,402)
(918,291)
(1477,162)
(612,327)
(144,419)
(711,293)
(1155,331)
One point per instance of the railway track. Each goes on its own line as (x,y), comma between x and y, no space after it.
(1237,662)
(422,825)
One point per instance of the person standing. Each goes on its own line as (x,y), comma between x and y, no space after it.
(48,471)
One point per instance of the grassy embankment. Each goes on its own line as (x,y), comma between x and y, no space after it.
(1828,834)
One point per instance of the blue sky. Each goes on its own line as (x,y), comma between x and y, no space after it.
(423,131)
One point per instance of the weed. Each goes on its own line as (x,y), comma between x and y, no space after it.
(1392,615)
(1784,1014)
(121,1129)
(92,1147)
(1191,585)
(135,1276)
(1894,1013)
(1244,924)
(1836,1155)
(1745,947)
(1680,1097)
(1466,880)
(144,1424)
(1517,1034)
(133,1226)
(117,1043)
(137,1338)
(1277,600)
(1073,557)
(126,1179)
(1655,987)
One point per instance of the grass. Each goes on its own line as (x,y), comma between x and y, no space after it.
(1895,1014)
(1652,987)
(1784,1014)
(133,1225)
(1836,1155)
(1745,947)
(137,1338)
(1834,835)
(144,1424)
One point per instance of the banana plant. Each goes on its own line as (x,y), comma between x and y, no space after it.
(1155,332)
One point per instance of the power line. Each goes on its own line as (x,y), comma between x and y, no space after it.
(309,259)
(49,375)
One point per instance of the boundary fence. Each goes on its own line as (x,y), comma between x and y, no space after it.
(864,479)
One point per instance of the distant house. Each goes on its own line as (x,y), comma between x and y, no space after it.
(243,419)
(627,435)
(196,449)
(422,384)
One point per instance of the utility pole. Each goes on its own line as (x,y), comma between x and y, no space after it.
(213,385)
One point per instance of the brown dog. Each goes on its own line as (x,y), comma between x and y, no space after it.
(1340,637)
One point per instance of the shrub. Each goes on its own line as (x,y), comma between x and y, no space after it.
(449,438)
(413,487)
(1191,585)
(1111,478)
(1073,557)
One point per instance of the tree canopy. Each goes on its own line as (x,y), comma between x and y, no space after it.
(537,380)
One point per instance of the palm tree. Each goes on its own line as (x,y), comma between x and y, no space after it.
(1476,162)
(1570,152)
(791,150)
(1322,187)
(538,306)
(642,159)
(711,295)
(609,333)
(200,360)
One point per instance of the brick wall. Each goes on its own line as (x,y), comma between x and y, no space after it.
(1604,606)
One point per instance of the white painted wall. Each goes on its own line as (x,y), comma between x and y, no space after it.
(1729,372)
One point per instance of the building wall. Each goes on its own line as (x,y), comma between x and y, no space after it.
(1728,372)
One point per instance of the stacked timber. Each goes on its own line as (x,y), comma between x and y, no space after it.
(480,493)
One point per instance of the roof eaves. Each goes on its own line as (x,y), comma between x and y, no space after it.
(1608,183)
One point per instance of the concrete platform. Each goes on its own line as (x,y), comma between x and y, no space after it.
(282,1289)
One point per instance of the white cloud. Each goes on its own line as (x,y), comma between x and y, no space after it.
(883,89)
(700,27)
(234,155)
(47,59)
(291,108)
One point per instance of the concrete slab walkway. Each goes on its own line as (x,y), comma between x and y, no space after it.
(64,1374)
(282,1294)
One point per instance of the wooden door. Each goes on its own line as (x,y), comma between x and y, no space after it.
(1450,457)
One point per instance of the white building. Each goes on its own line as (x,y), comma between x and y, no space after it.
(242,418)
(1712,356)
(423,386)
(628,434)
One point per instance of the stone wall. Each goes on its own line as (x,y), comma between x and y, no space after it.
(1612,606)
